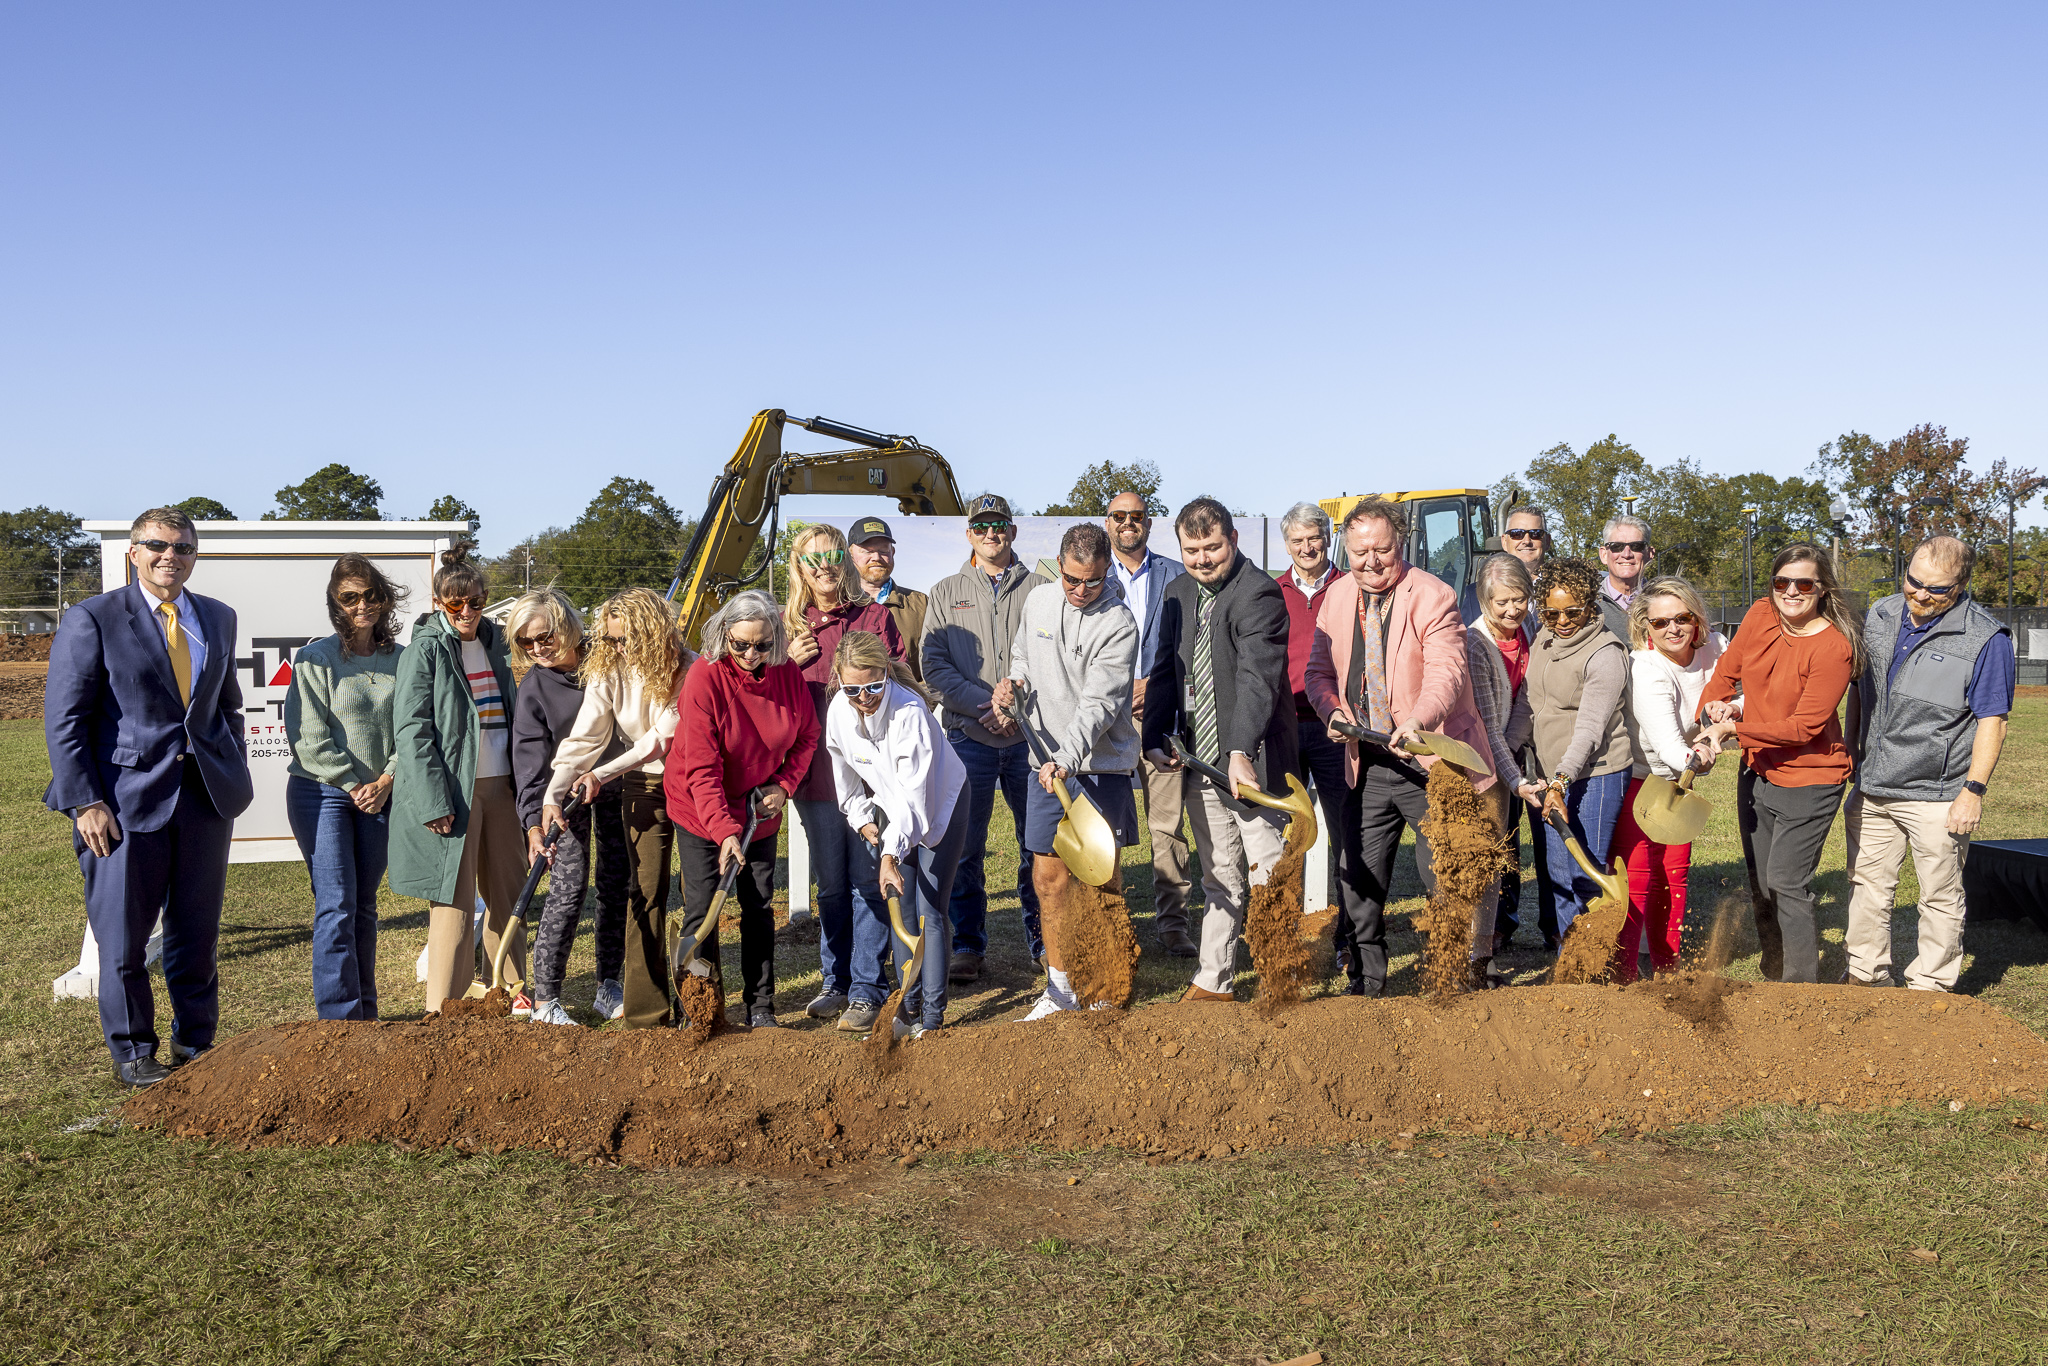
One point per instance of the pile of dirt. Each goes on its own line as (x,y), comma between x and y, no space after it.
(1096,943)
(1468,854)
(22,647)
(1171,1081)
(21,689)
(1289,951)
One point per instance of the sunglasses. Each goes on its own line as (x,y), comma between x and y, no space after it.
(1785,585)
(463,604)
(1126,518)
(855,691)
(159,547)
(616,642)
(531,643)
(349,597)
(1561,613)
(811,559)
(1682,619)
(1523,533)
(989,528)
(1627,547)
(1089,584)
(1932,590)
(747,647)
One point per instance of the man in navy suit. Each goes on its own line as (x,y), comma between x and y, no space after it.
(1144,576)
(143,717)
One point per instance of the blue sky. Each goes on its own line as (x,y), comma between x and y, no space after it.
(509,251)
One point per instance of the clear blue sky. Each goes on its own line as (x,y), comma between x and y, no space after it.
(508,251)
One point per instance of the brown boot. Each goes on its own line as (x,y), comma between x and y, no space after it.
(1177,944)
(1195,993)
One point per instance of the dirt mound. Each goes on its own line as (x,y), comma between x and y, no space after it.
(1288,953)
(1097,943)
(26,647)
(1468,854)
(21,689)
(1170,1080)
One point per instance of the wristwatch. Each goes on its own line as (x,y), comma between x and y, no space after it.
(1974,788)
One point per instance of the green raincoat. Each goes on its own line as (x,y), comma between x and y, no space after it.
(438,736)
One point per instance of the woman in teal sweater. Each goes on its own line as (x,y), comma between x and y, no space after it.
(338,718)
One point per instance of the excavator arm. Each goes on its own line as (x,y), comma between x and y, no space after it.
(745,502)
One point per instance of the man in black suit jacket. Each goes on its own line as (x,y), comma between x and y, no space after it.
(1219,685)
(143,716)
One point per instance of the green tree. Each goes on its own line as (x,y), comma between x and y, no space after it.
(1105,480)
(205,510)
(29,544)
(629,534)
(334,493)
(449,508)
(1580,492)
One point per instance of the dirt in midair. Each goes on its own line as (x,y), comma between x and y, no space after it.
(1587,952)
(702,1001)
(1097,943)
(494,1003)
(1467,856)
(1284,957)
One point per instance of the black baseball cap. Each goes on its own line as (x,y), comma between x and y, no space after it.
(867,528)
(988,507)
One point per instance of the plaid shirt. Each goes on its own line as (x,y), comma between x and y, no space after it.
(1498,709)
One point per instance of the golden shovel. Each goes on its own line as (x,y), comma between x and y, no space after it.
(1444,747)
(1614,884)
(1672,813)
(1083,840)
(1296,803)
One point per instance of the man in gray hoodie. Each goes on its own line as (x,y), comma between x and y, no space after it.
(1076,651)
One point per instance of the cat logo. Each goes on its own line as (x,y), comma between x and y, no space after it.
(878,477)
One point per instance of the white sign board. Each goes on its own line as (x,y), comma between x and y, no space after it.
(274,576)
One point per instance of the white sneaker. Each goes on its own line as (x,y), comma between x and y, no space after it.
(1046,1006)
(550,1012)
(907,1029)
(610,1002)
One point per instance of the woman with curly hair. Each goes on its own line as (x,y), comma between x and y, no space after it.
(1775,692)
(631,675)
(339,722)
(825,602)
(1575,692)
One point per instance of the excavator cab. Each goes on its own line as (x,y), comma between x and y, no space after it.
(1450,533)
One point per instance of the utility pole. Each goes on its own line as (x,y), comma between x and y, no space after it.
(60,585)
(1748,561)
(526,584)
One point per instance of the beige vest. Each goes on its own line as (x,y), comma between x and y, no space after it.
(1557,677)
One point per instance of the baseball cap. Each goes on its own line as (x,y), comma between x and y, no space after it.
(988,507)
(867,528)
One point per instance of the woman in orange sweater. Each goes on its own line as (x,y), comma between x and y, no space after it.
(1776,691)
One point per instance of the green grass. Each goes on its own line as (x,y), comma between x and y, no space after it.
(1779,1235)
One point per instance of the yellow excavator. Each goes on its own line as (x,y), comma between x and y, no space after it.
(1450,531)
(745,505)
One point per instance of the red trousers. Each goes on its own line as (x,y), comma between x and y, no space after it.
(1656,891)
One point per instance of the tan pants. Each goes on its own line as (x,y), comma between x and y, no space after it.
(1163,813)
(650,846)
(1880,834)
(493,861)
(1238,854)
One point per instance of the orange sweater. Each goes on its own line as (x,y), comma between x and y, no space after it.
(1791,687)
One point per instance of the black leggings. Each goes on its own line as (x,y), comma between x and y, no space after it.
(697,858)
(566,885)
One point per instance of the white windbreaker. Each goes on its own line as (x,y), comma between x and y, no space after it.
(899,754)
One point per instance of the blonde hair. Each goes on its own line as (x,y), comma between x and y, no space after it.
(555,611)
(801,598)
(1670,586)
(654,653)
(865,650)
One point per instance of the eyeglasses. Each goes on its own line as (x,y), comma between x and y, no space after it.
(475,604)
(989,528)
(1125,518)
(1523,533)
(1627,547)
(855,691)
(1682,619)
(748,647)
(811,559)
(545,640)
(1785,585)
(1561,613)
(1932,590)
(616,642)
(1090,584)
(159,547)
(349,597)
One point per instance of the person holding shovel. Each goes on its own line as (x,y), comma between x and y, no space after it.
(747,735)
(900,786)
(1497,649)
(1220,689)
(1674,655)
(1076,650)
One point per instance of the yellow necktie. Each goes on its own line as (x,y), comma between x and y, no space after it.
(181,652)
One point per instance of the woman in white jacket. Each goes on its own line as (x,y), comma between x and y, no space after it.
(901,787)
(1674,654)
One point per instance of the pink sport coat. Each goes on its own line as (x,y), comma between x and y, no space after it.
(1428,681)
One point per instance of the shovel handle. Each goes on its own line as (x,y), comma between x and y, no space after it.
(1373,737)
(686,951)
(1215,776)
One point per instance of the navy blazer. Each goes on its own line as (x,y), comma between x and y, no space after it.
(112,719)
(1160,570)
(1248,652)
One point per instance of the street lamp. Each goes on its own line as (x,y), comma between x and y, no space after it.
(1839,509)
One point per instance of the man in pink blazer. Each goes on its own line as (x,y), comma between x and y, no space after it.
(1389,656)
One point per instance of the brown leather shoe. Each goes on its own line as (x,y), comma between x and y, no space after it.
(1195,993)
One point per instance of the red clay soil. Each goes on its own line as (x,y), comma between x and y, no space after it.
(1097,943)
(25,647)
(1171,1081)
(1468,854)
(21,689)
(1289,950)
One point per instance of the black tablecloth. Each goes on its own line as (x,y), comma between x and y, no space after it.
(2007,880)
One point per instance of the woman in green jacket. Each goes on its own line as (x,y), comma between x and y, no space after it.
(454,824)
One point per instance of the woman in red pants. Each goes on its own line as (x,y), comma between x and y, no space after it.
(1674,654)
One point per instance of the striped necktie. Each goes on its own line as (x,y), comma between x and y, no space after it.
(1202,681)
(180,648)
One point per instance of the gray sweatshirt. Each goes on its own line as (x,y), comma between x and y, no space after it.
(1079,663)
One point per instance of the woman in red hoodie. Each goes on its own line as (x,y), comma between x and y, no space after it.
(746,731)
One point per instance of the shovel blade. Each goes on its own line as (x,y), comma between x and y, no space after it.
(1084,841)
(1453,751)
(1668,814)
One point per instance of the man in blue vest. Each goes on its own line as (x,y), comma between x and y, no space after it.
(1926,721)
(143,717)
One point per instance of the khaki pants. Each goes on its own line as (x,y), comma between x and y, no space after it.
(1238,853)
(1163,813)
(650,840)
(493,864)
(1880,834)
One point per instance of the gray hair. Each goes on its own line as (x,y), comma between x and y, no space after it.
(1306,514)
(1501,565)
(1614,524)
(557,612)
(752,605)
(1532,510)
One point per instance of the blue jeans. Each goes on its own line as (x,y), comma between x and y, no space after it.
(1593,805)
(987,768)
(853,919)
(345,851)
(928,876)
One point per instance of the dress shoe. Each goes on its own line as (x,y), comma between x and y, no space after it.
(1195,993)
(1850,979)
(183,1053)
(963,967)
(140,1072)
(1177,944)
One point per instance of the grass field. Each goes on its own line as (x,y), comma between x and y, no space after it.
(1778,1235)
